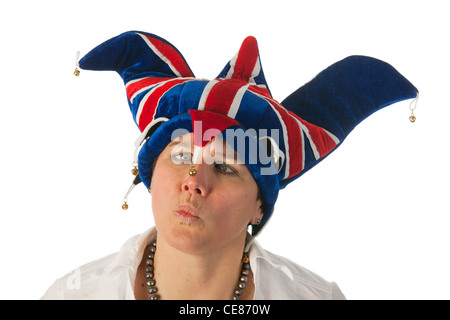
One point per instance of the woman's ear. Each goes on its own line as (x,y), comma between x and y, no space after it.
(257,217)
(256,220)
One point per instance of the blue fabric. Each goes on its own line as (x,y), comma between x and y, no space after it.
(128,55)
(346,93)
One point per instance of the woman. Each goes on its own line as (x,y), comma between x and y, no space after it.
(198,226)
(213,155)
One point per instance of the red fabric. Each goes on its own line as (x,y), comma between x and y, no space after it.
(246,59)
(175,58)
(295,141)
(205,120)
(145,82)
(261,91)
(222,95)
(149,108)
(322,140)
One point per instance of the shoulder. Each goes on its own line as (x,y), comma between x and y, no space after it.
(277,277)
(81,283)
(111,277)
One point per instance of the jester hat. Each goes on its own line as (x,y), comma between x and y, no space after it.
(164,95)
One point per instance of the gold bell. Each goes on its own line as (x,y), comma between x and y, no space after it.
(245,258)
(135,171)
(125,206)
(412,107)
(192,172)
(77,72)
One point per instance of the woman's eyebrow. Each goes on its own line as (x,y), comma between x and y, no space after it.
(227,154)
(179,142)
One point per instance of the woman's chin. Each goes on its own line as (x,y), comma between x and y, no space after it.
(188,238)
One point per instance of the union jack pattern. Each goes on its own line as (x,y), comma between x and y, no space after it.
(161,89)
(242,76)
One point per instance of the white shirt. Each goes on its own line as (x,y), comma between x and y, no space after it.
(112,277)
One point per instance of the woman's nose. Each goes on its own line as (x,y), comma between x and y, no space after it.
(197,182)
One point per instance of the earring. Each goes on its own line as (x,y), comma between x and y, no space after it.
(257,222)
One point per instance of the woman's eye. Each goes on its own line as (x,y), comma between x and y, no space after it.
(225,169)
(180,158)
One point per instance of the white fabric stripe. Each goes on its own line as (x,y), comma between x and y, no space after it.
(149,86)
(237,101)
(303,143)
(160,55)
(141,137)
(142,103)
(134,81)
(283,125)
(141,106)
(305,129)
(285,138)
(232,64)
(313,146)
(144,100)
(141,90)
(205,94)
(255,72)
(332,136)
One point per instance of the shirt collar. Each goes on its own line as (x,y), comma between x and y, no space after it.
(259,256)
(133,250)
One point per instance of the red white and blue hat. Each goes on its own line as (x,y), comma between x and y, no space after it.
(164,95)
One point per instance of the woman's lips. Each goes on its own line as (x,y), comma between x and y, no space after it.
(186,214)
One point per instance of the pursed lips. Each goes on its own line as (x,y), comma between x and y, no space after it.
(186,214)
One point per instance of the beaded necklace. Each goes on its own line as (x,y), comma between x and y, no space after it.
(151,282)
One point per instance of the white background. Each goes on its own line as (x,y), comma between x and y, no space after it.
(374,216)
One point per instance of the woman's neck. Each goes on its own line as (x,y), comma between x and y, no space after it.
(207,276)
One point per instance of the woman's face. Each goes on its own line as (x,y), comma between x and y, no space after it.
(210,209)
